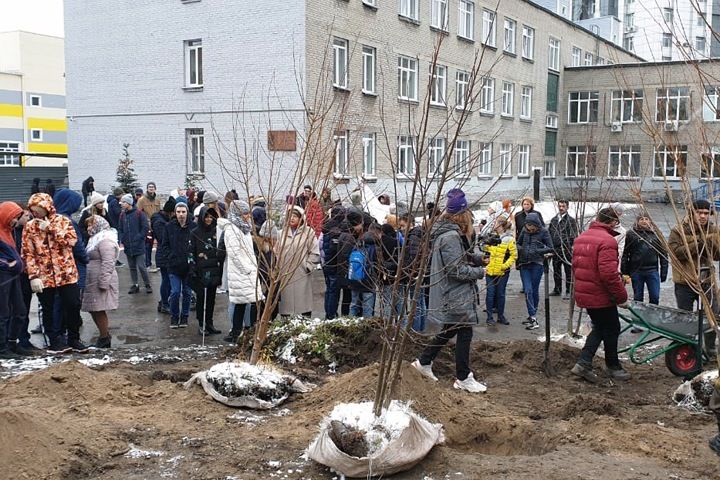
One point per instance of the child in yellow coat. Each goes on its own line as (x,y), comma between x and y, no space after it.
(502,257)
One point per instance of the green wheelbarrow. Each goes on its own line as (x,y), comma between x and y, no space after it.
(680,327)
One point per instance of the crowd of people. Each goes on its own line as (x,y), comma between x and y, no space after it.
(409,271)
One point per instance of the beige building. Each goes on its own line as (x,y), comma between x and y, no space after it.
(32,100)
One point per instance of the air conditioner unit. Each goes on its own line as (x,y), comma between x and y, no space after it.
(631,29)
(671,126)
(616,127)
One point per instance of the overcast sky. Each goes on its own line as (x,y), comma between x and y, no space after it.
(38,16)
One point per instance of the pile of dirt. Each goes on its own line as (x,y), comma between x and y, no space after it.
(126,421)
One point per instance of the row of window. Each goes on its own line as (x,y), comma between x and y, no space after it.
(578,58)
(626,106)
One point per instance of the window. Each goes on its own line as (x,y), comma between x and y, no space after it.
(509,38)
(7,150)
(409,9)
(439,14)
(528,42)
(553,82)
(488,28)
(580,161)
(670,161)
(438,85)
(505,159)
(487,95)
(700,20)
(626,106)
(624,161)
(462,156)
(599,61)
(672,104)
(629,19)
(588,58)
(523,160)
(667,40)
(575,57)
(550,143)
(371,3)
(549,168)
(583,107)
(368,140)
(407,78)
(526,102)
(36,135)
(368,54)
(436,156)
(340,62)
(193,63)
(551,121)
(406,155)
(195,150)
(466,19)
(711,107)
(341,153)
(554,54)
(508,94)
(485,167)
(668,15)
(710,167)
(700,44)
(462,81)
(35,101)
(629,43)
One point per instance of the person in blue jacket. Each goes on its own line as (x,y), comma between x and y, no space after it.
(68,202)
(132,229)
(533,244)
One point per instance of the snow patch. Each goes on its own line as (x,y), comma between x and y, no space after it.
(135,452)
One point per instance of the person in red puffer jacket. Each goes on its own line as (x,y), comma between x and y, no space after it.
(599,289)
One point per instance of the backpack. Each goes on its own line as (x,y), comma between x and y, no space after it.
(359,263)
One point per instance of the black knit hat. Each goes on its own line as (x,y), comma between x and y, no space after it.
(354,218)
(701,204)
(169,206)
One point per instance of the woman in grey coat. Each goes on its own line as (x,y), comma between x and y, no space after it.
(102,290)
(454,294)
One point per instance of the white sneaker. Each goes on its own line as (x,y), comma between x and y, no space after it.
(153,269)
(424,369)
(470,384)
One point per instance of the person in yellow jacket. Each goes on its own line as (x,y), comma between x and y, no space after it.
(503,254)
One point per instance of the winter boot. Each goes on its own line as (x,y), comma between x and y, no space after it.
(210,328)
(103,342)
(7,354)
(183,322)
(174,322)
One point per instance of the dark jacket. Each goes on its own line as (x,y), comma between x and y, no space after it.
(520,220)
(88,186)
(346,244)
(175,246)
(532,247)
(389,255)
(132,229)
(158,222)
(595,268)
(66,203)
(331,230)
(206,260)
(644,252)
(412,254)
(454,271)
(563,232)
(694,253)
(9,254)
(113,211)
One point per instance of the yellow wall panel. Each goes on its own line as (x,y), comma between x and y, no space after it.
(7,110)
(47,124)
(47,147)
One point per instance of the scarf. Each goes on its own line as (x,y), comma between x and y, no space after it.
(99,231)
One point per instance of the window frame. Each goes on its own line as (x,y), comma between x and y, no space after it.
(506,151)
(341,62)
(523,162)
(526,93)
(439,15)
(489,28)
(485,159)
(508,99)
(528,43)
(576,52)
(580,154)
(588,59)
(461,155)
(38,98)
(487,96)
(193,52)
(583,107)
(665,98)
(711,104)
(466,19)
(437,149)
(554,54)
(369,54)
(509,36)
(714,155)
(341,166)
(409,9)
(627,103)
(438,85)
(406,153)
(8,149)
(412,74)
(369,141)
(39,132)
(462,89)
(626,159)
(670,152)
(195,154)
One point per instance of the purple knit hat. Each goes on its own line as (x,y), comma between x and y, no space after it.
(456,201)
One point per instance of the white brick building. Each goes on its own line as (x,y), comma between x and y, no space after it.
(195,86)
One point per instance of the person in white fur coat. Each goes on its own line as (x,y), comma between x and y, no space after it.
(242,269)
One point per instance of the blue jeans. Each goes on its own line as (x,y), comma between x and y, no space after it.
(651,278)
(164,286)
(408,292)
(179,285)
(392,305)
(362,304)
(531,274)
(332,293)
(495,295)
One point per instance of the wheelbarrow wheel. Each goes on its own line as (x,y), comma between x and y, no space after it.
(681,360)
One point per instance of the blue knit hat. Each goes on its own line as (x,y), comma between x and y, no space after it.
(456,201)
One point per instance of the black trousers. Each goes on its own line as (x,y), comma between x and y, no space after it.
(606,330)
(464,334)
(205,304)
(558,266)
(70,305)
